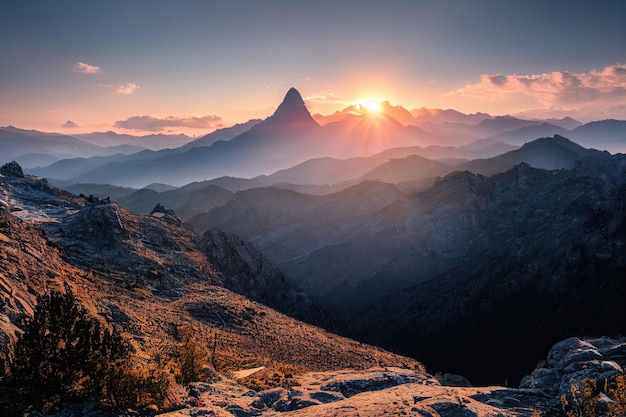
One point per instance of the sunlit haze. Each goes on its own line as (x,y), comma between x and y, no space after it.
(166,67)
(370,105)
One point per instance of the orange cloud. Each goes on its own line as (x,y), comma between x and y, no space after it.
(154,124)
(554,89)
(86,68)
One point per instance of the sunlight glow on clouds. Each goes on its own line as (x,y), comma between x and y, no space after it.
(124,89)
(555,89)
(154,124)
(129,88)
(323,97)
(86,68)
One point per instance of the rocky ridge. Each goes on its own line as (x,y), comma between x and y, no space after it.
(507,252)
(244,270)
(464,257)
(150,278)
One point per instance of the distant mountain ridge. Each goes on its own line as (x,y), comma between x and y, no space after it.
(291,136)
(37,149)
(226,133)
(153,142)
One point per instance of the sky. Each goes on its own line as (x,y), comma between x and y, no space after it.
(191,66)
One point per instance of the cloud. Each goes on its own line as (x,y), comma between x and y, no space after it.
(306,79)
(603,87)
(498,80)
(86,68)
(124,89)
(583,114)
(154,124)
(324,96)
(129,88)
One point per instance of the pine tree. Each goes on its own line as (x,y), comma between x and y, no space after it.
(63,354)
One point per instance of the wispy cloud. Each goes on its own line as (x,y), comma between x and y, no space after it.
(84,68)
(155,124)
(305,79)
(124,89)
(129,88)
(323,97)
(555,89)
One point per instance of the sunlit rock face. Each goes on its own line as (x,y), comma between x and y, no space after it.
(367,393)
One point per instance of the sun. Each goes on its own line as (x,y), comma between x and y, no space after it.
(371,105)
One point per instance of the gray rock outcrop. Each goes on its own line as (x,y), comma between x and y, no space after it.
(574,360)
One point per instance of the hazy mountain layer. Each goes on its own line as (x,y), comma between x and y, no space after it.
(291,136)
(154,142)
(421,272)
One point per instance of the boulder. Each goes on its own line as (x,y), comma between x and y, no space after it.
(12,169)
(573,360)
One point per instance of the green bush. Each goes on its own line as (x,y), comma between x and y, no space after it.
(64,354)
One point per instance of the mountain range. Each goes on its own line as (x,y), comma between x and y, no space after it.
(152,278)
(291,136)
(471,243)
(395,264)
(36,149)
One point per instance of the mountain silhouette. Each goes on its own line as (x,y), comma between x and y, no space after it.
(291,112)
(555,152)
(280,141)
(69,125)
(607,134)
(291,136)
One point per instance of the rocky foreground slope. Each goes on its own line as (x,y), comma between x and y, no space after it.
(151,278)
(582,377)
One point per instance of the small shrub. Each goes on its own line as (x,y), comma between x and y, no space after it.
(137,388)
(193,356)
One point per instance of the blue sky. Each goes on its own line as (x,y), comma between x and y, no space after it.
(197,65)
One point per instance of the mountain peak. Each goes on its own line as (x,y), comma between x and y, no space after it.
(558,141)
(292,102)
(292,110)
(69,125)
